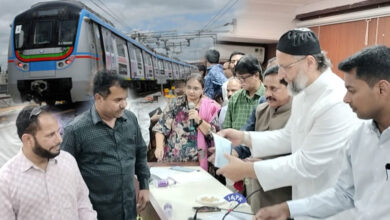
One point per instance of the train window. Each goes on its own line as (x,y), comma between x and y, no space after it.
(107,42)
(140,64)
(48,12)
(155,64)
(148,60)
(43,32)
(133,61)
(121,46)
(21,35)
(67,32)
(161,66)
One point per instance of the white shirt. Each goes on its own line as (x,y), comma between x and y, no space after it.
(222,115)
(59,193)
(224,93)
(363,182)
(316,135)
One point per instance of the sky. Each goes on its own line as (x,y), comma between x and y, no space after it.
(182,16)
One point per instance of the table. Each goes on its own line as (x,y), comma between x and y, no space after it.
(182,196)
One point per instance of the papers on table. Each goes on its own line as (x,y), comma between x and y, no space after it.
(222,146)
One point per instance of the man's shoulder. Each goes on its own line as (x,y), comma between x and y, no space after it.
(130,115)
(216,69)
(65,156)
(262,107)
(9,169)
(81,120)
(237,95)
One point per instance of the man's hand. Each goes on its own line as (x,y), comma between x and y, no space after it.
(142,199)
(235,136)
(276,212)
(236,169)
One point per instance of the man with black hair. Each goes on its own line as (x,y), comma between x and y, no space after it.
(234,58)
(271,115)
(316,133)
(42,182)
(228,68)
(364,182)
(215,76)
(241,104)
(108,146)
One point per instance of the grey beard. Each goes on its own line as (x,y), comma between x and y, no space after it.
(297,85)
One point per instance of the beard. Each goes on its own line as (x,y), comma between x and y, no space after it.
(298,84)
(42,152)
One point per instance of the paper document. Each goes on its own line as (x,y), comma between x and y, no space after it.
(222,146)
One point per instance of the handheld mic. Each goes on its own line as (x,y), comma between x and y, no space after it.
(191,105)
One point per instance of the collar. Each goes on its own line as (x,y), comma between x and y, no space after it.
(214,65)
(259,92)
(25,164)
(96,117)
(321,82)
(284,108)
(374,128)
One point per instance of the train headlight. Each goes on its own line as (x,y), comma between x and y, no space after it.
(23,66)
(69,60)
(64,63)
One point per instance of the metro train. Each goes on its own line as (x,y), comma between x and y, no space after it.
(56,48)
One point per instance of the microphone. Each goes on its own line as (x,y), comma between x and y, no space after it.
(191,105)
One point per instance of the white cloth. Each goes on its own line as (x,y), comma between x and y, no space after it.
(222,115)
(363,182)
(224,93)
(316,135)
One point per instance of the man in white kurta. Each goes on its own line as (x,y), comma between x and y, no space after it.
(316,133)
(364,182)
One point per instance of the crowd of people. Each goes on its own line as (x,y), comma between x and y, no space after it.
(299,141)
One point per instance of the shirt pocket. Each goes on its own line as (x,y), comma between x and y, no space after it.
(129,148)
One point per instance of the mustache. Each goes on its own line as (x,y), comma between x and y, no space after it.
(57,145)
(270,98)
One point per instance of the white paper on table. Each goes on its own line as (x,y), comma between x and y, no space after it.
(222,146)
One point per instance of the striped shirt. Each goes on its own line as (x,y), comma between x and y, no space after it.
(28,192)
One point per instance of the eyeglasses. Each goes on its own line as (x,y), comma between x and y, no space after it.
(35,112)
(288,66)
(243,78)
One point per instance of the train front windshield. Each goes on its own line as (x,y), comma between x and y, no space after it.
(45,28)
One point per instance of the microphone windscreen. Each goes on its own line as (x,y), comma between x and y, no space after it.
(191,105)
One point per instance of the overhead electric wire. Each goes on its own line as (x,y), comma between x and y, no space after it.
(223,10)
(122,17)
(108,13)
(227,3)
(226,10)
